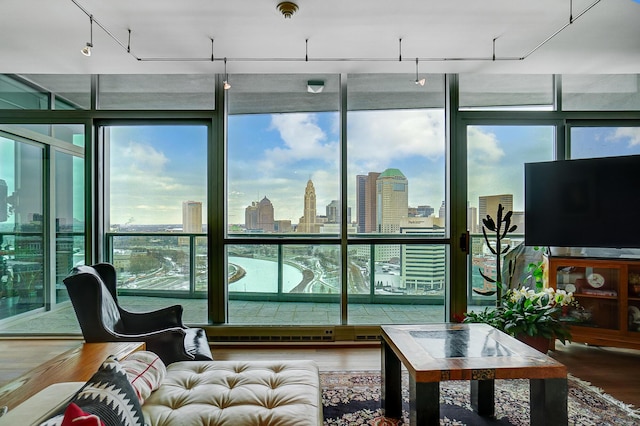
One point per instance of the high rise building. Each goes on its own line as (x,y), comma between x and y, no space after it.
(308,223)
(488,205)
(423,266)
(392,200)
(251,216)
(334,212)
(472,219)
(265,215)
(442,212)
(366,201)
(192,216)
(259,216)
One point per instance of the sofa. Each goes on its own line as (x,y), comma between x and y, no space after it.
(141,390)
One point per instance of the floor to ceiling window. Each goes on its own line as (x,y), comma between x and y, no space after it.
(31,203)
(288,161)
(495,161)
(156,197)
(283,181)
(495,156)
(396,174)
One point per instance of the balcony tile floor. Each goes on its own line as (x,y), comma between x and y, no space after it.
(63,320)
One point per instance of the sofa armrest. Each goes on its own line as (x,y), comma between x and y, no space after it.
(42,405)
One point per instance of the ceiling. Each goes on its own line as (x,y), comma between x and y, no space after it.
(350,36)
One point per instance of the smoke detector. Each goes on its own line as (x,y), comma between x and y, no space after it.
(287,9)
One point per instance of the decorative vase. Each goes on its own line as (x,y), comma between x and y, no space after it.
(539,343)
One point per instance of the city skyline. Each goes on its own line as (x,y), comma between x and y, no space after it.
(269,155)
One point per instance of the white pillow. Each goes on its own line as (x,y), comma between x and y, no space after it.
(145,370)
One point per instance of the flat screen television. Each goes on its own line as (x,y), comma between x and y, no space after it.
(583,203)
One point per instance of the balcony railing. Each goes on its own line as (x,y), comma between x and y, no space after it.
(166,263)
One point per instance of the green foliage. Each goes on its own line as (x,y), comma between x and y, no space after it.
(536,272)
(491,316)
(528,312)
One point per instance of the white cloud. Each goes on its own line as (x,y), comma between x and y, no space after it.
(142,189)
(378,138)
(303,140)
(483,147)
(630,133)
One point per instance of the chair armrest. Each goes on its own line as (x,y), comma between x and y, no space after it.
(168,344)
(174,332)
(146,322)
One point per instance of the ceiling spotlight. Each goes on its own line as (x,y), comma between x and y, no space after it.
(86,50)
(287,9)
(225,83)
(315,86)
(420,81)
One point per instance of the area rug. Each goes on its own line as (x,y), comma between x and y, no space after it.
(353,398)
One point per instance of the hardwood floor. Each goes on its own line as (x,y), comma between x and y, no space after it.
(613,370)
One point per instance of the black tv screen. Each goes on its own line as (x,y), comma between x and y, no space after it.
(583,203)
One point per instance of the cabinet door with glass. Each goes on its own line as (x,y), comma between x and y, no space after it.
(596,287)
(633,308)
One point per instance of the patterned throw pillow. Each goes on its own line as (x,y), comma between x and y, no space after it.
(109,395)
(146,371)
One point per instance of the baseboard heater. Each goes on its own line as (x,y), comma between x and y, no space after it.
(292,334)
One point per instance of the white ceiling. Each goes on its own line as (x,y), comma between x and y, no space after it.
(45,36)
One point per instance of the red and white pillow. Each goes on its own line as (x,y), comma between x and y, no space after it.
(145,370)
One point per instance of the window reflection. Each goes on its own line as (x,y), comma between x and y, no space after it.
(21,227)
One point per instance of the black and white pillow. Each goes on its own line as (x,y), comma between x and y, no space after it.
(109,395)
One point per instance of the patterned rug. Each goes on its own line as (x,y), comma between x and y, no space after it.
(353,398)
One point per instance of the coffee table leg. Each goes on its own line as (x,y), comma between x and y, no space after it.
(483,397)
(548,402)
(391,383)
(424,403)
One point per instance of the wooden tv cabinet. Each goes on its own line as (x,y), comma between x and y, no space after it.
(608,291)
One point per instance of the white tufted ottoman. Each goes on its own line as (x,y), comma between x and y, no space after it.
(237,393)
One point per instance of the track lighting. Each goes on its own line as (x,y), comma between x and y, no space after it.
(288,9)
(225,83)
(86,50)
(422,80)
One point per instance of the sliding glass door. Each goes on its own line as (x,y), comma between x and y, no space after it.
(22,239)
(495,164)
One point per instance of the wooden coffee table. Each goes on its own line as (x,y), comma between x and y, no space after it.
(476,352)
